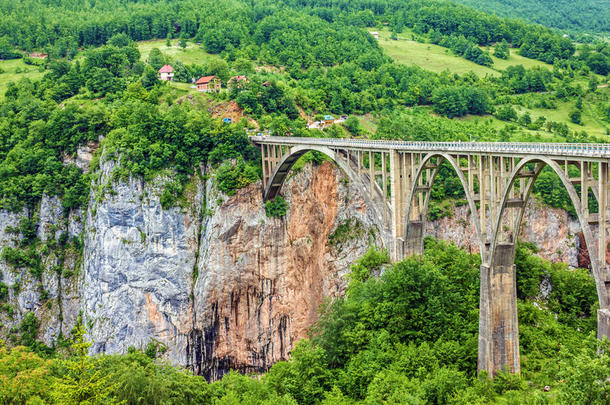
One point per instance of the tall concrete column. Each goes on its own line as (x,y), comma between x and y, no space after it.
(414,245)
(603,323)
(498,324)
(603,314)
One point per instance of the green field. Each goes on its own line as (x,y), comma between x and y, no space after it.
(591,123)
(10,74)
(192,54)
(537,136)
(368,122)
(428,56)
(515,59)
(437,58)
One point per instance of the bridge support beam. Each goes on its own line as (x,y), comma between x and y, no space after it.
(498,324)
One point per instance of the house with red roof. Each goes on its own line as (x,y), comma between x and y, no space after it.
(208,84)
(166,73)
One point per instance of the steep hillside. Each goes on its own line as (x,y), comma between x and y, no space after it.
(591,16)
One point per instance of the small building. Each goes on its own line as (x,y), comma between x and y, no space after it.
(325,122)
(375,34)
(37,55)
(208,84)
(166,73)
(227,120)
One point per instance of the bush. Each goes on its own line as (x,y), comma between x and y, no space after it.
(276,208)
(230,178)
(576,117)
(29,329)
(506,113)
(3,291)
(352,124)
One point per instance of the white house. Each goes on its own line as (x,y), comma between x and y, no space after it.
(166,73)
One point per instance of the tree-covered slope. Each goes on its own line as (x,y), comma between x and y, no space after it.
(583,15)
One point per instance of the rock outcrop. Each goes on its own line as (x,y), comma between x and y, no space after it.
(223,286)
(554,232)
(261,281)
(138,267)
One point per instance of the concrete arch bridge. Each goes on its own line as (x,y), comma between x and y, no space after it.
(397,178)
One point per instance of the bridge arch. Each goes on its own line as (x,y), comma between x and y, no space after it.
(541,162)
(282,169)
(416,214)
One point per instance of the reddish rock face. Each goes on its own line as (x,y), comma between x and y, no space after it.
(262,280)
(584,261)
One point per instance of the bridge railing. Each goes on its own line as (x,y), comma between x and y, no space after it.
(567,149)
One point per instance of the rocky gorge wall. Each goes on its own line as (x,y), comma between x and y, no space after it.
(557,235)
(214,282)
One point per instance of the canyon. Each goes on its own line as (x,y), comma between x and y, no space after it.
(213,282)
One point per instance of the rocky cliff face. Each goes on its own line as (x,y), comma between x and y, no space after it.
(221,287)
(556,234)
(215,282)
(138,268)
(261,281)
(53,296)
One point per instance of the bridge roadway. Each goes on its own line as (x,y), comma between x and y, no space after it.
(395,178)
(569,150)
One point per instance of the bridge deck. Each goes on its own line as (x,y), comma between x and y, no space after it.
(568,150)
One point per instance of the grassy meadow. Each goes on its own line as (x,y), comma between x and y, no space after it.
(428,56)
(10,69)
(192,54)
(437,58)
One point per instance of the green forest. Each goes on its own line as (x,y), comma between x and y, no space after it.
(589,16)
(403,333)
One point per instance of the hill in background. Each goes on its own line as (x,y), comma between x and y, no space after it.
(591,16)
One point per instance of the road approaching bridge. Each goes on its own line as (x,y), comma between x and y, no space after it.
(396,178)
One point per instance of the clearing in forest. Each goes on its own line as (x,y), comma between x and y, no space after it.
(437,58)
(193,53)
(15,69)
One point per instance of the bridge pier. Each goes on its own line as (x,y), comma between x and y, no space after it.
(498,323)
(414,244)
(603,323)
(603,314)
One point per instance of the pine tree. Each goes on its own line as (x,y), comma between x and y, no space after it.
(84,382)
